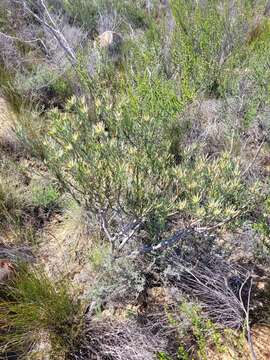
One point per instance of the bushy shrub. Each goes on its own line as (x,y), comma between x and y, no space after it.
(89,15)
(208,338)
(45,195)
(206,36)
(116,151)
(122,165)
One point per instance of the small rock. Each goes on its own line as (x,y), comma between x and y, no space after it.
(111,41)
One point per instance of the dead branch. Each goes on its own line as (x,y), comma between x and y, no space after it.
(182,234)
(246,311)
(38,40)
(119,340)
(44,17)
(254,159)
(122,237)
(215,283)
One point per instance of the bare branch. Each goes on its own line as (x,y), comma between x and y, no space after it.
(47,21)
(246,311)
(23,40)
(126,238)
(254,159)
(182,234)
(105,229)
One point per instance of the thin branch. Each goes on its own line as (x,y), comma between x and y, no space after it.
(250,341)
(24,41)
(246,311)
(179,235)
(254,159)
(221,223)
(129,236)
(104,227)
(52,28)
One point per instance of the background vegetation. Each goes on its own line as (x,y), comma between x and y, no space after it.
(134,179)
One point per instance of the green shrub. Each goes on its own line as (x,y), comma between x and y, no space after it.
(33,306)
(205,38)
(119,155)
(86,13)
(206,335)
(215,190)
(124,162)
(45,196)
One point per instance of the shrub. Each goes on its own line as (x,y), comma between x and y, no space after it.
(114,151)
(206,36)
(123,165)
(45,196)
(208,338)
(34,306)
(90,14)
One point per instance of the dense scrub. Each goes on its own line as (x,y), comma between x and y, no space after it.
(134,157)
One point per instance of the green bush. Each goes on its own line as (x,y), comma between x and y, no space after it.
(86,13)
(115,151)
(204,335)
(205,38)
(45,196)
(124,162)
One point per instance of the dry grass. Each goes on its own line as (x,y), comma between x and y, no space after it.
(110,338)
(65,249)
(8,139)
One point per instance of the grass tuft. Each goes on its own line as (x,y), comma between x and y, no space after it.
(32,306)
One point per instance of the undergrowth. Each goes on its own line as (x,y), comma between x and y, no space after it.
(124,155)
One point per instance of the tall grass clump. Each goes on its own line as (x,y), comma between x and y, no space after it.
(32,308)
